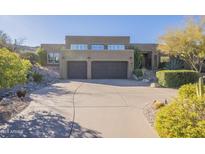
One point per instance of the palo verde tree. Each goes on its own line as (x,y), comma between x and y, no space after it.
(187,43)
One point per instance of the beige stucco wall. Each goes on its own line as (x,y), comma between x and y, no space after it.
(105,40)
(89,56)
(53,47)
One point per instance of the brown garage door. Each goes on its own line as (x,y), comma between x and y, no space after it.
(77,70)
(109,70)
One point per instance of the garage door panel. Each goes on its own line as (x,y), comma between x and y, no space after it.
(77,69)
(109,69)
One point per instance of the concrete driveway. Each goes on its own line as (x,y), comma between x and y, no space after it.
(88,108)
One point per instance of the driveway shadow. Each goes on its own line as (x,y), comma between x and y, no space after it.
(54,90)
(115,82)
(45,125)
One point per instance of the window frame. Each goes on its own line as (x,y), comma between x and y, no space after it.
(115,47)
(97,49)
(53,58)
(79,46)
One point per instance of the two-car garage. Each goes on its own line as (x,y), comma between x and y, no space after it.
(99,69)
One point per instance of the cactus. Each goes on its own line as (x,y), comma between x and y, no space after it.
(200,87)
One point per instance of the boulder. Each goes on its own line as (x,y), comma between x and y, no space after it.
(154,85)
(157,104)
(136,78)
(145,80)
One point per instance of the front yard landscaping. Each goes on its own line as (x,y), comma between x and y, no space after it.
(19,76)
(184,116)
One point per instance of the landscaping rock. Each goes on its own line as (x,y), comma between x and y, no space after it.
(10,107)
(50,76)
(151,109)
(154,85)
(157,104)
(135,77)
(149,113)
(145,80)
(10,104)
(149,75)
(5,101)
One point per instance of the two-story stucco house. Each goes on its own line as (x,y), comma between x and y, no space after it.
(98,57)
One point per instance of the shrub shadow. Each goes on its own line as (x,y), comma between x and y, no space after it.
(45,125)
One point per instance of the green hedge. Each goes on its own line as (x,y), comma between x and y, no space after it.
(176,78)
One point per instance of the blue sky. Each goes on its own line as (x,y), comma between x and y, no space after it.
(52,29)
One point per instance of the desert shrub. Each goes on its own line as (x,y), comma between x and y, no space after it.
(21,93)
(37,77)
(187,91)
(174,64)
(138,72)
(32,57)
(13,69)
(42,56)
(182,118)
(162,65)
(176,78)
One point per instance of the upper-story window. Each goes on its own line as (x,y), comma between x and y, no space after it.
(53,58)
(116,47)
(97,47)
(79,47)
